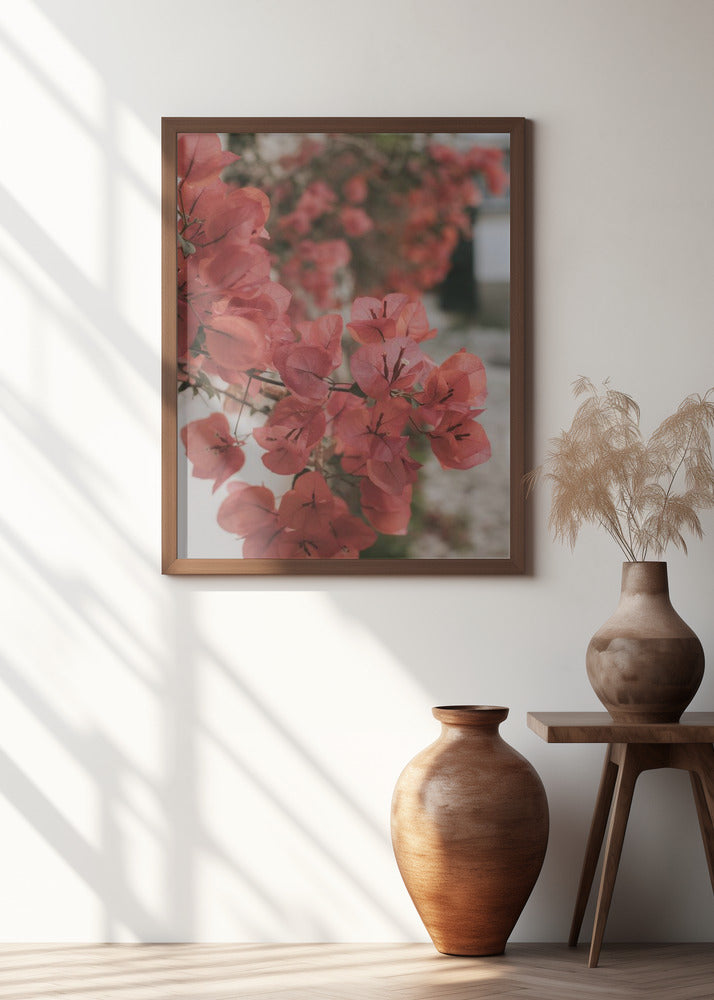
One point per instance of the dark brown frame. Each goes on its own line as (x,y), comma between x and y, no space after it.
(515,563)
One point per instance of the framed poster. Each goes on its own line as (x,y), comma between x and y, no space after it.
(343,345)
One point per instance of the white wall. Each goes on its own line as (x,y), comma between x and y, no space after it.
(214,759)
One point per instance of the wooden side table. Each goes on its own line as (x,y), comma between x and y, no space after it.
(631,749)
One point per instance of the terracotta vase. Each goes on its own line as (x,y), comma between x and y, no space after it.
(645,664)
(469,830)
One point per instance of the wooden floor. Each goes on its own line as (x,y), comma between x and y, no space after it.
(351,972)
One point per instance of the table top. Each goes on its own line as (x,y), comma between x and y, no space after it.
(598,727)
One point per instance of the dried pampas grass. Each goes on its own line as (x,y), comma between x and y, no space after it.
(644,494)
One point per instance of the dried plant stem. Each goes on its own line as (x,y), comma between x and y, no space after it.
(614,530)
(685,451)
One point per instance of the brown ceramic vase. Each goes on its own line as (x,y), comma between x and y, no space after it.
(645,664)
(469,830)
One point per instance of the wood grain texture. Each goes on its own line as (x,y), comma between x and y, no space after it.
(628,770)
(355,124)
(706,826)
(594,845)
(350,972)
(469,830)
(518,290)
(169,457)
(598,727)
(344,567)
(624,762)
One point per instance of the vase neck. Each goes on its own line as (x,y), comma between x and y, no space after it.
(473,721)
(644,578)
(470,715)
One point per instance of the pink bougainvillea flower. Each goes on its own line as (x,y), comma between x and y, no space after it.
(458,384)
(304,364)
(343,537)
(212,449)
(306,513)
(392,475)
(294,224)
(325,333)
(355,189)
(372,444)
(412,322)
(364,431)
(387,513)
(301,545)
(234,344)
(240,271)
(459,441)
(327,255)
(265,310)
(318,524)
(317,199)
(247,509)
(303,370)
(218,216)
(467,376)
(248,310)
(355,221)
(308,505)
(490,162)
(201,158)
(375,320)
(290,433)
(249,512)
(353,535)
(244,390)
(444,154)
(393,366)
(238,218)
(337,406)
(273,300)
(265,543)
(313,268)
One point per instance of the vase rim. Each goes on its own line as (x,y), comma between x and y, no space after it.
(644,562)
(470,715)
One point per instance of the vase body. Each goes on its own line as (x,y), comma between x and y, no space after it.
(469,830)
(645,664)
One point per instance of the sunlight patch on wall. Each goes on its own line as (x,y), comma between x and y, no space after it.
(296,765)
(136,230)
(55,175)
(70,75)
(139,150)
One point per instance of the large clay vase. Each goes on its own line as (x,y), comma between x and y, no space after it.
(469,829)
(645,664)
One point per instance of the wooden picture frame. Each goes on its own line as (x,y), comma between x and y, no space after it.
(359,220)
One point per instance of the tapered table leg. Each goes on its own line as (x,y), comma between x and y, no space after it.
(705,823)
(594,844)
(628,770)
(702,775)
(704,756)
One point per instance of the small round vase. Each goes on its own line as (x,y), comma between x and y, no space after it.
(469,830)
(645,664)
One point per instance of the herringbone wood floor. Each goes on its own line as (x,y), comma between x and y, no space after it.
(351,972)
